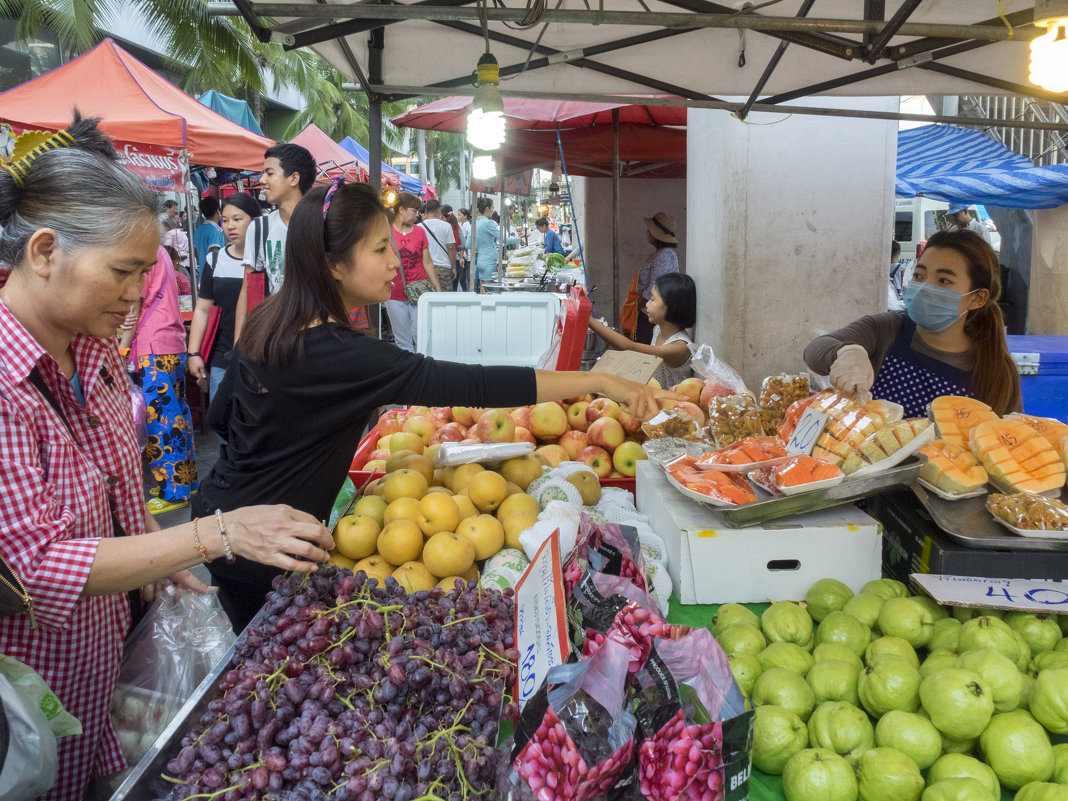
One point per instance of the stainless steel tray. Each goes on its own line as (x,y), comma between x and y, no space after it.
(145,782)
(852,489)
(969,523)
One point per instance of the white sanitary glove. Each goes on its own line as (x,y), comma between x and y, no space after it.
(852,372)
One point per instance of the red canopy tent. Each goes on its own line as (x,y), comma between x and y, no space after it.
(148,116)
(332,158)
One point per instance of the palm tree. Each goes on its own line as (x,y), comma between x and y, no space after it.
(443,158)
(74,22)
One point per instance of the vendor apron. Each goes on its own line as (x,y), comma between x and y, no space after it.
(915,379)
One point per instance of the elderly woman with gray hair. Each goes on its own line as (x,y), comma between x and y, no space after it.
(70,467)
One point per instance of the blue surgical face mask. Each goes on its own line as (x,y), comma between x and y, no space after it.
(933,308)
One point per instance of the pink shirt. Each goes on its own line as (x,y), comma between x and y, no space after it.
(159,329)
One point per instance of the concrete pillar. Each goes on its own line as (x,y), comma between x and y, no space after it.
(1049,273)
(789,222)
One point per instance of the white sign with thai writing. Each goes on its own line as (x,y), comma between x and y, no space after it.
(1031,595)
(540,620)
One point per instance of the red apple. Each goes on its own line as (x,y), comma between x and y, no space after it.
(626,457)
(631,424)
(548,420)
(691,388)
(573,442)
(602,407)
(521,417)
(693,410)
(471,441)
(381,453)
(576,415)
(391,422)
(495,425)
(606,433)
(597,459)
(421,425)
(441,414)
(523,435)
(551,455)
(419,411)
(450,432)
(463,415)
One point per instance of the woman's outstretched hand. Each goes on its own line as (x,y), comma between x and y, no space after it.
(278,535)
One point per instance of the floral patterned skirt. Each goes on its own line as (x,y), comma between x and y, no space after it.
(170,450)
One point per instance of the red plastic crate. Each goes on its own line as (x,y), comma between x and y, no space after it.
(359,476)
(569,338)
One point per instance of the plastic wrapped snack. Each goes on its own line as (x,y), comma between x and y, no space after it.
(748,451)
(675,424)
(777,393)
(733,417)
(1029,510)
(667,449)
(722,488)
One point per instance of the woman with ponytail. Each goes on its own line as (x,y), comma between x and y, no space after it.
(949,341)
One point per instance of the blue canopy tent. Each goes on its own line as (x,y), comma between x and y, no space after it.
(407,182)
(946,162)
(233,109)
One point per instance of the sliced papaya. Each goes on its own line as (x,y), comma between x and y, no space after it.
(1016,457)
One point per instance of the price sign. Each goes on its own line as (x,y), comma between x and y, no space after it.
(808,430)
(540,620)
(996,593)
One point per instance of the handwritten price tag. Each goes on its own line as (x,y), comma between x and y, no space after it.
(808,430)
(1030,595)
(540,621)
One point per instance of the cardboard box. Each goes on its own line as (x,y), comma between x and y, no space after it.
(913,543)
(710,563)
(637,367)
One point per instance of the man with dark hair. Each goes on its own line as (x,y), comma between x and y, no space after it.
(551,242)
(288,172)
(208,236)
(170,211)
(896,288)
(442,244)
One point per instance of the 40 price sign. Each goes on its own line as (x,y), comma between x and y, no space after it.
(1025,595)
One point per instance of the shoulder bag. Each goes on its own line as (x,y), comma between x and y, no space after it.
(256,281)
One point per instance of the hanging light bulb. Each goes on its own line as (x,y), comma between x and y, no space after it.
(485,123)
(483,167)
(1049,52)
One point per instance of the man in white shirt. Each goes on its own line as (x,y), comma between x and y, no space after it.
(961,216)
(288,172)
(442,244)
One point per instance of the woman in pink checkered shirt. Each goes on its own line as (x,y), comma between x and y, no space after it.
(75,254)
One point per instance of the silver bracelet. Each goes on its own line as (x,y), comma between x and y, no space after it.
(225,540)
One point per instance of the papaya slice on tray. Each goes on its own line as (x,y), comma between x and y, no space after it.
(1016,457)
(955,416)
(952,468)
(1053,431)
(803,470)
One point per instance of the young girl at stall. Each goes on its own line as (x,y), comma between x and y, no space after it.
(302,383)
(672,310)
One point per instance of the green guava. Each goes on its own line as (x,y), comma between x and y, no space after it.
(959,703)
(890,683)
(843,628)
(966,613)
(938,612)
(785,621)
(818,774)
(946,635)
(1040,631)
(843,728)
(895,646)
(784,688)
(1000,675)
(937,660)
(834,680)
(1049,660)
(1049,700)
(1060,763)
(911,734)
(1017,748)
(886,774)
(1042,791)
(908,619)
(778,734)
(826,596)
(741,638)
(960,788)
(990,632)
(785,655)
(837,652)
(886,588)
(865,607)
(733,613)
(950,766)
(746,669)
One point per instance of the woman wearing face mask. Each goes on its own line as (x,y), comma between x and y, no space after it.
(949,341)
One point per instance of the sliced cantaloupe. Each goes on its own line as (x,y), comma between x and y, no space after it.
(956,416)
(1051,430)
(830,457)
(951,467)
(1014,456)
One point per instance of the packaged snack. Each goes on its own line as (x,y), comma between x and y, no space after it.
(724,488)
(1029,510)
(673,423)
(733,417)
(750,450)
(777,393)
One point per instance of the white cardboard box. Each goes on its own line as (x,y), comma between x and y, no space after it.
(711,563)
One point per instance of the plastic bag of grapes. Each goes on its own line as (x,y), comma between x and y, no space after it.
(605,548)
(694,732)
(634,626)
(575,740)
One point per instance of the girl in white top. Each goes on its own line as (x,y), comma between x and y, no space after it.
(672,309)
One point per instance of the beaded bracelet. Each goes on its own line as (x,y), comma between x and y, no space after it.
(198,544)
(226,540)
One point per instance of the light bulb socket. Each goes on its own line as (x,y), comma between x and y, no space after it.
(489,71)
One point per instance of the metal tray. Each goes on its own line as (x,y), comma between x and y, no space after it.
(852,489)
(145,782)
(968,522)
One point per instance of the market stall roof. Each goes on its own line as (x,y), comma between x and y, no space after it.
(332,158)
(696,51)
(232,108)
(136,105)
(961,165)
(390,177)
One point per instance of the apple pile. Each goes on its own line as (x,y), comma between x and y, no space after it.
(883,696)
(596,432)
(427,526)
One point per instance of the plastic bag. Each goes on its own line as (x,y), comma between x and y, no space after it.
(777,393)
(732,418)
(611,549)
(34,718)
(673,424)
(720,378)
(168,654)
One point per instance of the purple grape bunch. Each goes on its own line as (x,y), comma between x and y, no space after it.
(354,690)
(682,762)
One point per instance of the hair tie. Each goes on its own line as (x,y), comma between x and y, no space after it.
(330,194)
(28,146)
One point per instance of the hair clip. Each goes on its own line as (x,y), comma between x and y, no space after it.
(28,146)
(330,194)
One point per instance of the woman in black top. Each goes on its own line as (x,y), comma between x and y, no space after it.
(302,382)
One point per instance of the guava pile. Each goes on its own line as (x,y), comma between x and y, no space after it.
(885,696)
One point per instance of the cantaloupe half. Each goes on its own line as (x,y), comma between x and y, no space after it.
(1053,431)
(1016,457)
(956,416)
(952,468)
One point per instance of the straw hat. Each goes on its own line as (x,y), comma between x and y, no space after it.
(661,227)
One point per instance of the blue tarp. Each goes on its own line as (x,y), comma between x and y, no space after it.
(955,164)
(233,109)
(408,183)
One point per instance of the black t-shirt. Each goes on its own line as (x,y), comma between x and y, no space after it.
(221,284)
(291,431)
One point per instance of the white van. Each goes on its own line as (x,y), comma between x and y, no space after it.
(916,219)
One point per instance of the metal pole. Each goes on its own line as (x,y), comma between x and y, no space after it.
(374,117)
(187,181)
(501,212)
(772,64)
(615,214)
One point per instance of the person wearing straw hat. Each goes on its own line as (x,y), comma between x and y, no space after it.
(661,234)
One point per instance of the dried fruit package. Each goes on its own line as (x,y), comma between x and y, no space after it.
(673,423)
(633,626)
(694,732)
(777,393)
(575,740)
(1029,510)
(605,548)
(733,417)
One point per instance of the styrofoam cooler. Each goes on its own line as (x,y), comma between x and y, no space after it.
(1043,365)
